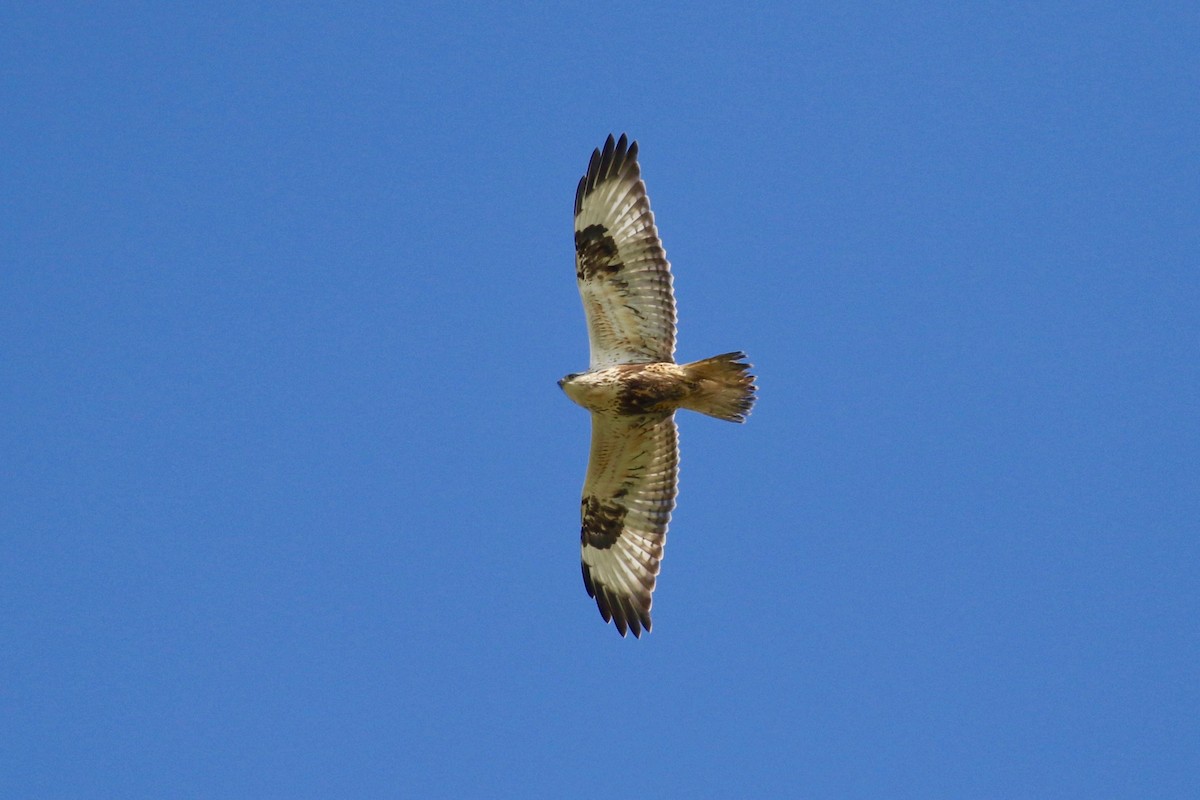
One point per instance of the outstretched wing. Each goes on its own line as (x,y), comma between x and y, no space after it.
(623,273)
(627,502)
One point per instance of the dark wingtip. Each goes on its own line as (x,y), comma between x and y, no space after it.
(629,617)
(625,613)
(605,162)
(606,159)
(587,579)
(579,192)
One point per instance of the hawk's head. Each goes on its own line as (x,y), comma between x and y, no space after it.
(580,387)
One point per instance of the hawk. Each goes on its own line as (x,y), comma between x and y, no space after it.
(633,386)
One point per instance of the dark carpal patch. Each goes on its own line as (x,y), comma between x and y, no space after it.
(596,252)
(602,521)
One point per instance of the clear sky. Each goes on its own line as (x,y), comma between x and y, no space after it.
(290,498)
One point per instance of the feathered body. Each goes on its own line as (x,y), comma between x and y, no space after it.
(720,387)
(633,387)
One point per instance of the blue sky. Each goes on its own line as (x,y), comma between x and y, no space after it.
(290,497)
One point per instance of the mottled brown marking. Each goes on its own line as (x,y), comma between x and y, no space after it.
(596,252)
(645,392)
(603,521)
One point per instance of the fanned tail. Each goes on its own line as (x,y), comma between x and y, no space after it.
(724,387)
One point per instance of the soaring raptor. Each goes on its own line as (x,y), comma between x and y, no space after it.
(633,386)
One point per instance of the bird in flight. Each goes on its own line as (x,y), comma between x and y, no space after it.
(633,386)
